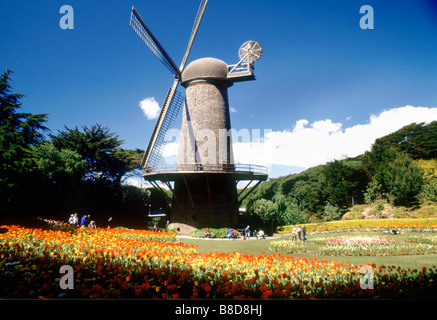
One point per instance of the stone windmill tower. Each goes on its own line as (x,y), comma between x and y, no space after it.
(205,177)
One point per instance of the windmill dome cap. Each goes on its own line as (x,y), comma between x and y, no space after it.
(204,69)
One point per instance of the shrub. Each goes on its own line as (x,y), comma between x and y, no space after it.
(376,208)
(427,211)
(332,212)
(215,233)
(401,212)
(355,213)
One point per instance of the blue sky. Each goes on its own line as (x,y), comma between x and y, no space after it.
(325,87)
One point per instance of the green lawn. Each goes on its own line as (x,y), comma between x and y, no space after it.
(256,247)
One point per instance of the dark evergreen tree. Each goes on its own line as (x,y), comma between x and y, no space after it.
(18,133)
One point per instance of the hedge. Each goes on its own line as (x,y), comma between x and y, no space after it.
(215,233)
(424,223)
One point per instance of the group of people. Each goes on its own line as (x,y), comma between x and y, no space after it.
(258,234)
(85,221)
(299,232)
(231,234)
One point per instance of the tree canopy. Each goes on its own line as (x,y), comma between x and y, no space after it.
(18,133)
(100,150)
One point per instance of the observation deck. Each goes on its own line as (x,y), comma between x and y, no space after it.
(168,172)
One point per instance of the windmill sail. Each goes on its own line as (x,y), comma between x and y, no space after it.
(174,99)
(166,120)
(194,32)
(137,24)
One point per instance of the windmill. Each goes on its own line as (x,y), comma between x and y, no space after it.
(205,176)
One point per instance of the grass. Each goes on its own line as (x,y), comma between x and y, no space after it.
(256,247)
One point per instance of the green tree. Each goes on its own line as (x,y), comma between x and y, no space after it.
(294,215)
(332,212)
(266,210)
(373,191)
(306,196)
(60,182)
(403,179)
(18,133)
(429,189)
(337,185)
(58,165)
(417,140)
(100,149)
(344,179)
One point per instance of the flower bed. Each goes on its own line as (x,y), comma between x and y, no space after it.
(372,246)
(359,241)
(110,263)
(428,239)
(287,246)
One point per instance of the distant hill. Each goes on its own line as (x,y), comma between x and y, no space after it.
(396,169)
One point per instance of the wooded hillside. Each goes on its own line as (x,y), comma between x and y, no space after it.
(400,170)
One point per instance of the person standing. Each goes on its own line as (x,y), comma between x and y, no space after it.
(304,232)
(83,221)
(294,234)
(75,219)
(247,232)
(299,231)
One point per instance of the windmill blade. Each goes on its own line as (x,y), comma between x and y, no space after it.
(137,24)
(167,117)
(196,25)
(174,99)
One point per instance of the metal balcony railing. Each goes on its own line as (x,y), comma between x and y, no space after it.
(238,167)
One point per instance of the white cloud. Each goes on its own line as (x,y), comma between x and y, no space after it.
(308,145)
(150,108)
(170,149)
(232,110)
